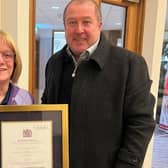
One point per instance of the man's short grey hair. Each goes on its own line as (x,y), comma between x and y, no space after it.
(97,9)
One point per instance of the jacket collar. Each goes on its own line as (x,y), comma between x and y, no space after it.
(100,56)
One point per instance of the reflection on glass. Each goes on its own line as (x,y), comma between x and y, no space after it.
(58,40)
(114,23)
(163,81)
(48,20)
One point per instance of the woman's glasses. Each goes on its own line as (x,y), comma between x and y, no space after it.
(7,56)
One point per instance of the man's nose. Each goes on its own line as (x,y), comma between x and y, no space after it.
(79,28)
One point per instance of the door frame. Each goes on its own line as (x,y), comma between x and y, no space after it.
(32,46)
(134,23)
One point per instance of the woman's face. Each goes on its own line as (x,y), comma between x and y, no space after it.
(6,62)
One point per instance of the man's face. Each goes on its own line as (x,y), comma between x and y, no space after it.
(82,27)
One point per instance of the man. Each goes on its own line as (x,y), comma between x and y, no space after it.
(108,92)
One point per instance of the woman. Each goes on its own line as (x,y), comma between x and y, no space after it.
(10,70)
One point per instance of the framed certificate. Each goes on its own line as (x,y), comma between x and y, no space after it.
(34,136)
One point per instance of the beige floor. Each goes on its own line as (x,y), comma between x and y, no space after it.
(160,149)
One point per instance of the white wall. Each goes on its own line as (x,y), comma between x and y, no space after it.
(155,14)
(9,17)
(14,18)
(23,39)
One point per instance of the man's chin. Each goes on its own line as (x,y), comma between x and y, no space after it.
(80,49)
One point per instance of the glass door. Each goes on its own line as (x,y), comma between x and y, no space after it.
(49,33)
(49,36)
(160,147)
(122,23)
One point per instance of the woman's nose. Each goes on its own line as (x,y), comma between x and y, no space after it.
(1,57)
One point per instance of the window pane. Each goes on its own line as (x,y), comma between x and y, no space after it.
(58,40)
(114,23)
(49,36)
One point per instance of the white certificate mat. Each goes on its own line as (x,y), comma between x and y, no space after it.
(26,144)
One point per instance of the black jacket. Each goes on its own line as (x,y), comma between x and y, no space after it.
(111,107)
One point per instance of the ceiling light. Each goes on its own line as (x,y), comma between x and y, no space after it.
(55,7)
(118,23)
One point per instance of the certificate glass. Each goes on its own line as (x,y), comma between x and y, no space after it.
(34,136)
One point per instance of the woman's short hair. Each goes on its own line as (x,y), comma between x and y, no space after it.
(7,38)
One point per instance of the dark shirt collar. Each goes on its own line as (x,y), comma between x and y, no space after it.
(6,98)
